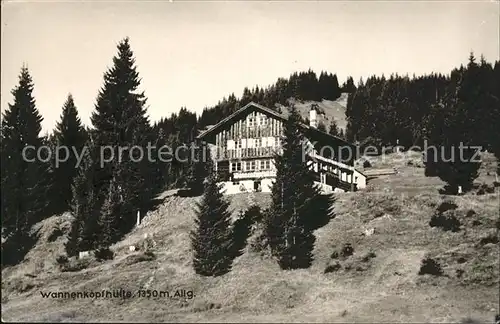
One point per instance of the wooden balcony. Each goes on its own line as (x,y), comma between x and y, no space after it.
(242,153)
(254,174)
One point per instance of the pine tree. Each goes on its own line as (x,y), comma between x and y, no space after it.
(334,130)
(108,221)
(452,156)
(197,171)
(84,232)
(24,176)
(211,241)
(120,121)
(287,226)
(70,136)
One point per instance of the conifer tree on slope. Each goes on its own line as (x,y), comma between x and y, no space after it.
(334,129)
(495,135)
(70,137)
(293,194)
(84,233)
(450,131)
(120,120)
(197,169)
(23,179)
(212,239)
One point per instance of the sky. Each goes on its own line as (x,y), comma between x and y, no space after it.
(193,53)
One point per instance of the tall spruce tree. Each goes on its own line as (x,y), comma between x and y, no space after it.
(288,227)
(452,154)
(24,176)
(197,171)
(120,121)
(212,238)
(70,137)
(84,232)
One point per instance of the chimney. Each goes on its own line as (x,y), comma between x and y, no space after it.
(313,122)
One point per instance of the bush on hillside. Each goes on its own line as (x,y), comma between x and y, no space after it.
(490,237)
(430,266)
(446,205)
(140,257)
(446,221)
(332,267)
(75,265)
(103,254)
(347,250)
(56,233)
(62,259)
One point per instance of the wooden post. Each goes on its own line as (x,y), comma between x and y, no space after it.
(138,222)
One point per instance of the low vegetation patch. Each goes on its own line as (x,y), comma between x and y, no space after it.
(62,259)
(431,267)
(75,265)
(446,221)
(140,257)
(104,254)
(491,237)
(56,233)
(446,205)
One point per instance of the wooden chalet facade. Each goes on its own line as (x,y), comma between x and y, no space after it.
(244,143)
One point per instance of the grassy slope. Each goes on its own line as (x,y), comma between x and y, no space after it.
(385,288)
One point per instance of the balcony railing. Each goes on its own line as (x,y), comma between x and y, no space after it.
(251,152)
(254,174)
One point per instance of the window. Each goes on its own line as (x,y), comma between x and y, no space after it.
(263,120)
(258,142)
(238,144)
(250,122)
(276,142)
(235,166)
(265,165)
(250,165)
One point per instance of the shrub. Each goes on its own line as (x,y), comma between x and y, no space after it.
(470,213)
(347,250)
(368,256)
(62,259)
(332,267)
(430,266)
(104,253)
(140,257)
(490,237)
(447,222)
(446,205)
(476,222)
(75,265)
(57,232)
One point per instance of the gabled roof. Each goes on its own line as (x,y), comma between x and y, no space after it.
(241,111)
(269,112)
